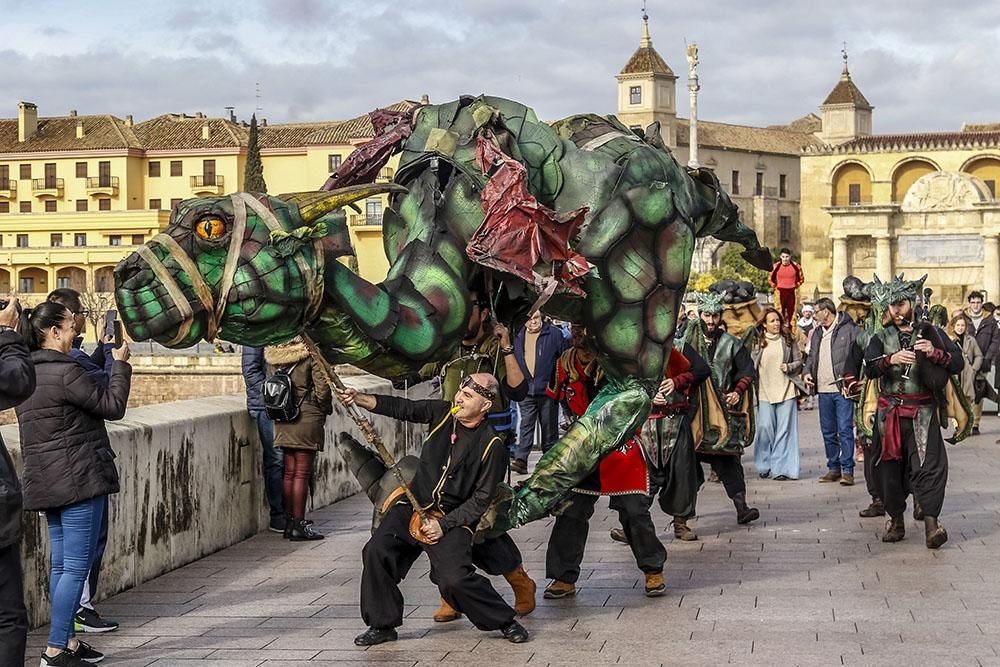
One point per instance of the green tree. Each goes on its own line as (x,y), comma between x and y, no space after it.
(253,173)
(731,267)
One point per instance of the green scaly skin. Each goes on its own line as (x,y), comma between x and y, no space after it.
(645,212)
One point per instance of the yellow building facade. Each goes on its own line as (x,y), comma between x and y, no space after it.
(79,193)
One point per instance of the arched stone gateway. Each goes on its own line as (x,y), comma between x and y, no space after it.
(944,191)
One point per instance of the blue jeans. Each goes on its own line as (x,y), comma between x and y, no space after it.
(73,532)
(545,411)
(90,585)
(836,421)
(273,466)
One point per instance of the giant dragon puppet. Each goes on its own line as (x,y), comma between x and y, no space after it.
(583,218)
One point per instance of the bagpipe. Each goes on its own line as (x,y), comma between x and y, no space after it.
(931,375)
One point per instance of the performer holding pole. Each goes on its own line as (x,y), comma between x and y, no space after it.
(462,463)
(912,364)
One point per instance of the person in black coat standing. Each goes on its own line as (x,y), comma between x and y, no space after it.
(17,382)
(987,334)
(69,466)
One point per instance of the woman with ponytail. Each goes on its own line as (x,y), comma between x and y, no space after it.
(69,466)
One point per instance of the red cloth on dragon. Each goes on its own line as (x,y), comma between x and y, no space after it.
(624,470)
(519,235)
(363,165)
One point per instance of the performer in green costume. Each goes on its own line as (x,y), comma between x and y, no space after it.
(723,420)
(912,362)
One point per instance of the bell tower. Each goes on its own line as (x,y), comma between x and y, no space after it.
(846,113)
(647,90)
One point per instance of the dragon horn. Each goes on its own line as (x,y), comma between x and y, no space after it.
(314,205)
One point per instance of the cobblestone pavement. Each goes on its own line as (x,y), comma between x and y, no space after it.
(809,583)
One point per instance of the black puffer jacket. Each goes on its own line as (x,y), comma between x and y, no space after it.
(17,381)
(67,454)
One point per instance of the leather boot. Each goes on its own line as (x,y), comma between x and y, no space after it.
(682,531)
(918,511)
(877,508)
(289,524)
(934,532)
(744,513)
(446,613)
(524,589)
(302,532)
(895,530)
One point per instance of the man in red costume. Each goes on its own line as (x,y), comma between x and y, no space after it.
(786,277)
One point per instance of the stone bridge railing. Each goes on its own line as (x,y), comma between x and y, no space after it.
(191,485)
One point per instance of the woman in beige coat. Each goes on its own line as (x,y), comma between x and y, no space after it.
(958,331)
(299,440)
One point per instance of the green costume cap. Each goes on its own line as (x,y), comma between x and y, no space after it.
(709,303)
(896,290)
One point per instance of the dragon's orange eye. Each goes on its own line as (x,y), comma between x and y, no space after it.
(210,229)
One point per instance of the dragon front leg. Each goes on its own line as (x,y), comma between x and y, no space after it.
(421,306)
(610,421)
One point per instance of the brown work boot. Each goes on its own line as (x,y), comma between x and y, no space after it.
(934,532)
(519,466)
(847,479)
(830,476)
(682,531)
(446,613)
(524,588)
(918,511)
(744,513)
(895,530)
(655,587)
(877,508)
(558,590)
(618,535)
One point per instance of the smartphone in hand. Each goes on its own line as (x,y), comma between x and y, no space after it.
(110,317)
(118,333)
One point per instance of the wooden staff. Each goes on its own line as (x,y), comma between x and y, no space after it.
(368,429)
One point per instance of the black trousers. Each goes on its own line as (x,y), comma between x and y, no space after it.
(568,540)
(872,453)
(391,552)
(927,482)
(496,555)
(13,616)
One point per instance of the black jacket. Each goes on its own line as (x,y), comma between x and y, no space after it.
(254,374)
(17,382)
(988,338)
(460,468)
(65,445)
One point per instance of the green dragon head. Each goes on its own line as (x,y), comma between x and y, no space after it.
(245,267)
(710,302)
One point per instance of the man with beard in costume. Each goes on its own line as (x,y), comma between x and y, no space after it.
(723,419)
(487,348)
(911,365)
(631,476)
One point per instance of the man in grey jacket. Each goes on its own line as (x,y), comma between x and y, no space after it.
(17,382)
(829,352)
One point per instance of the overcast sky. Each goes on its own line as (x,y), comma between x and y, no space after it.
(924,64)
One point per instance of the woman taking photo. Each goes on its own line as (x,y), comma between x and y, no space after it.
(300,439)
(778,362)
(958,330)
(69,466)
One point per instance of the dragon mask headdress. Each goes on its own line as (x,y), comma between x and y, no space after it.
(709,302)
(896,290)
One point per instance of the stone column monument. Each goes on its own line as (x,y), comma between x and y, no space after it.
(693,88)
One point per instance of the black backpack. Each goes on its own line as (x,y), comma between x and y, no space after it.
(279,396)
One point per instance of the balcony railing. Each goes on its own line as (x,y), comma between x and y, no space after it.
(48,187)
(386,174)
(847,201)
(102,185)
(370,220)
(207,183)
(8,189)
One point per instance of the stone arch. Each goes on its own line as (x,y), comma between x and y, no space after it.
(851,184)
(104,279)
(907,172)
(987,169)
(72,277)
(33,280)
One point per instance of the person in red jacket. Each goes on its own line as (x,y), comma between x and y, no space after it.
(786,277)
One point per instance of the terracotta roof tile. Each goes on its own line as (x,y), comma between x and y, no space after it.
(59,134)
(746,138)
(845,92)
(646,60)
(922,140)
(289,135)
(177,131)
